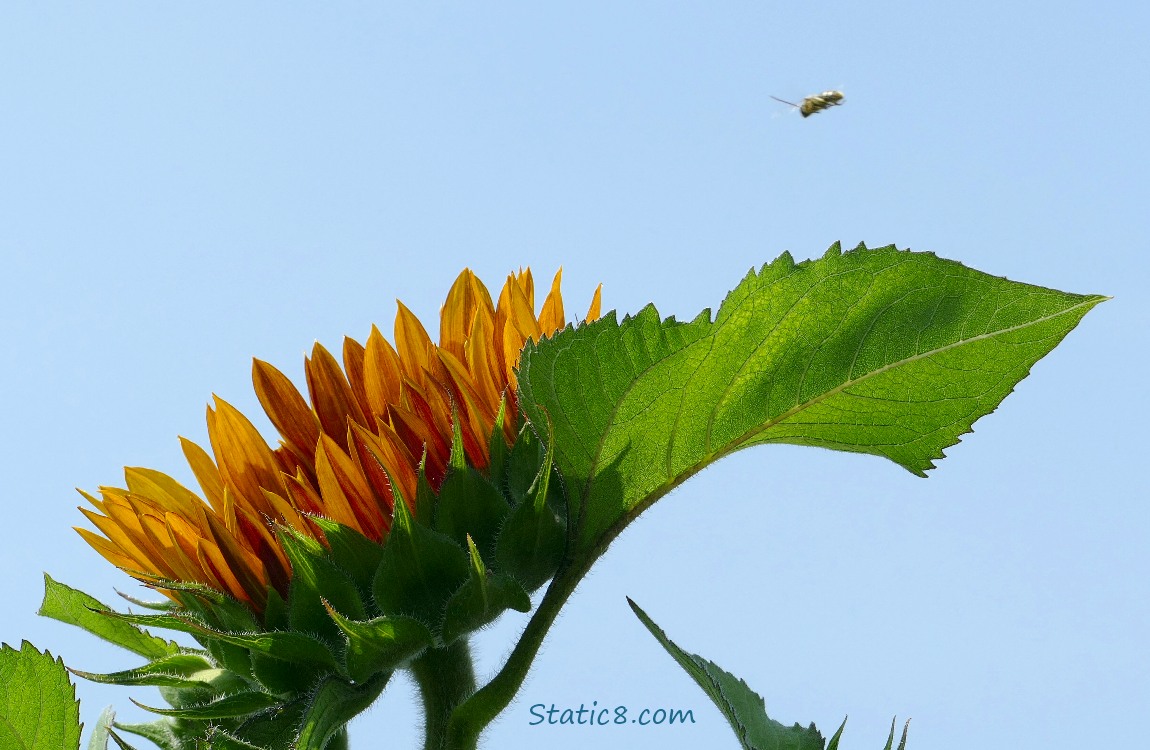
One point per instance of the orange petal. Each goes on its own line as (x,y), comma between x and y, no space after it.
(596,303)
(354,356)
(167,492)
(246,462)
(331,394)
(382,374)
(412,343)
(206,473)
(285,407)
(336,504)
(551,316)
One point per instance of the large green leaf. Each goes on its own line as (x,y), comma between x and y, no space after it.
(38,706)
(886,352)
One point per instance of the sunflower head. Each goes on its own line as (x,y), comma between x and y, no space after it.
(416,433)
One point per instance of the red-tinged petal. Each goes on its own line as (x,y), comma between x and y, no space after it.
(285,407)
(347,479)
(354,356)
(303,494)
(256,537)
(244,568)
(368,451)
(335,503)
(217,567)
(415,436)
(412,343)
(382,374)
(331,394)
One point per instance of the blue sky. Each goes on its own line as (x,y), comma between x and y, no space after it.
(184,188)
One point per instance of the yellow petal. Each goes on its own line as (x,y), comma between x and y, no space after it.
(551,317)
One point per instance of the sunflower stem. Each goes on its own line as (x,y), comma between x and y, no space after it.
(338,742)
(446,678)
(472,716)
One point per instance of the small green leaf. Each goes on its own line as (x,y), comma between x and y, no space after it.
(482,599)
(744,709)
(38,706)
(333,704)
(225,707)
(288,646)
(177,670)
(885,352)
(382,644)
(420,570)
(74,607)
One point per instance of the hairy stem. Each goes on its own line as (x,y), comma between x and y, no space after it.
(446,678)
(473,715)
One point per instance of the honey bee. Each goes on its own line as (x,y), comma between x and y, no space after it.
(816,102)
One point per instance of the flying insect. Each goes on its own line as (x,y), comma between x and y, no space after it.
(815,102)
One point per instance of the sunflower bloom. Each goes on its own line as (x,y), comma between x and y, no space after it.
(346,451)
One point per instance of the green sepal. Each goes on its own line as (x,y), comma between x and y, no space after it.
(419,572)
(353,553)
(533,540)
(497,447)
(273,728)
(314,579)
(743,708)
(74,607)
(284,677)
(226,707)
(833,743)
(38,706)
(275,612)
(470,506)
(332,705)
(457,457)
(425,499)
(890,739)
(381,644)
(295,647)
(177,670)
(481,599)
